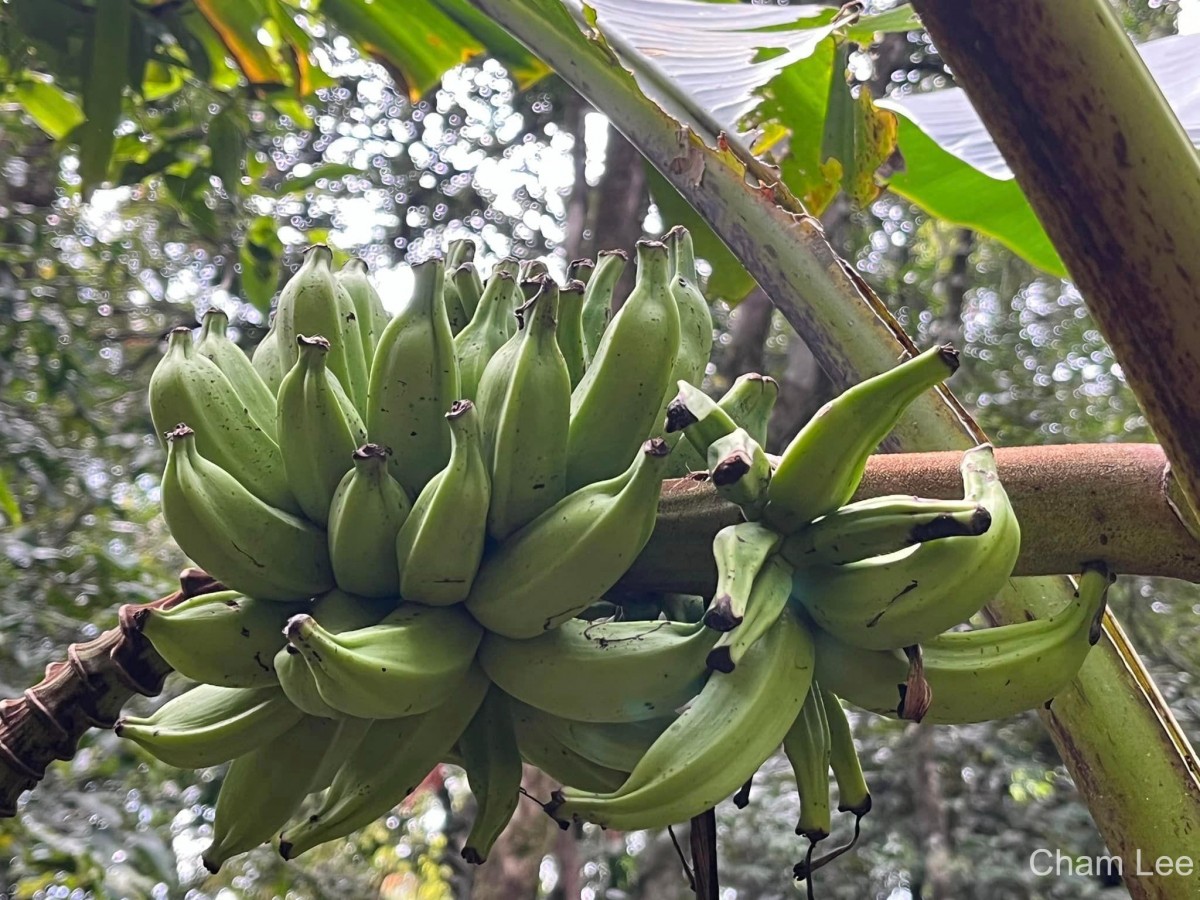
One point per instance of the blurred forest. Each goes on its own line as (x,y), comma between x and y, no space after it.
(216,189)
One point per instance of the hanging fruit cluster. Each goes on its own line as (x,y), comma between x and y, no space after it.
(418,517)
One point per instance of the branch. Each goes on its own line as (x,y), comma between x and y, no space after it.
(87,690)
(1075,503)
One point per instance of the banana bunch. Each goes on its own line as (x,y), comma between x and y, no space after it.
(417,521)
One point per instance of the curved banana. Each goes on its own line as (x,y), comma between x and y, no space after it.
(807,747)
(414,379)
(366,513)
(490,328)
(249,546)
(369,311)
(492,761)
(701,419)
(715,745)
(769,594)
(883,525)
(598,299)
(267,361)
(971,676)
(412,661)
(604,671)
(392,759)
(469,287)
(439,546)
(337,612)
(314,302)
(695,318)
(524,413)
(740,552)
(318,427)
(214,343)
(750,401)
(822,466)
(612,745)
(206,725)
(263,788)
(544,749)
(221,638)
(616,403)
(740,471)
(460,251)
(349,736)
(853,794)
(188,387)
(905,597)
(566,558)
(569,330)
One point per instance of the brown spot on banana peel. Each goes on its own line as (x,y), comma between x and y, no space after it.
(874,620)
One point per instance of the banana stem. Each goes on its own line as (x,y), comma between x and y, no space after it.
(87,690)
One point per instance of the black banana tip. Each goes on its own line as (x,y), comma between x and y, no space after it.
(720,660)
(459,408)
(859,809)
(950,356)
(471,855)
(614,252)
(656,447)
(679,416)
(285,849)
(213,865)
(731,469)
(372,451)
(179,432)
(720,616)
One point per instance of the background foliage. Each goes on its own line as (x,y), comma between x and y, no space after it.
(226,158)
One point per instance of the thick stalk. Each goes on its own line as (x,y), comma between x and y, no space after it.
(1142,785)
(1075,503)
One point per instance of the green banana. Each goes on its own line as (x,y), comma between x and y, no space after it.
(740,471)
(492,761)
(206,725)
(440,544)
(266,360)
(469,287)
(615,405)
(580,270)
(769,594)
(491,326)
(414,379)
(612,745)
(598,299)
(566,558)
(902,598)
(604,671)
(319,429)
(188,387)
(544,749)
(366,513)
(524,419)
(533,270)
(221,638)
(740,552)
(695,318)
(369,311)
(263,788)
(715,745)
(807,747)
(214,343)
(853,794)
(750,401)
(249,546)
(971,676)
(392,759)
(822,466)
(338,612)
(570,328)
(407,664)
(459,251)
(349,736)
(314,302)
(883,525)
